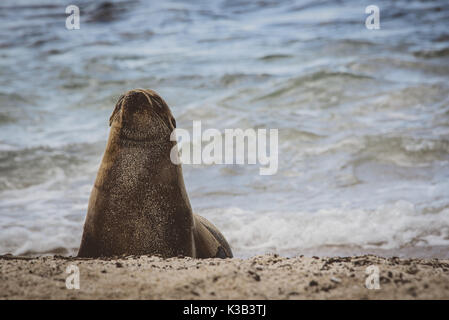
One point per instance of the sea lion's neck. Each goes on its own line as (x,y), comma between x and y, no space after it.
(139,170)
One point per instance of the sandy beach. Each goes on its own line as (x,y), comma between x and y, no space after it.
(260,277)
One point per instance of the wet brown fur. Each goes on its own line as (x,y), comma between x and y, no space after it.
(139,204)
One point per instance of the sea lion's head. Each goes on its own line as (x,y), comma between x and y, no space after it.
(142,115)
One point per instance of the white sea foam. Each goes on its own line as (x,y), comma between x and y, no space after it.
(388,227)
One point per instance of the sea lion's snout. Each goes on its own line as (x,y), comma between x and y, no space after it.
(142,114)
(134,100)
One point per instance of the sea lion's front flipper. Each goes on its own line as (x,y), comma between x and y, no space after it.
(209,242)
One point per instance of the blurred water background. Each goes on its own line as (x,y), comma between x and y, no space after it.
(362,117)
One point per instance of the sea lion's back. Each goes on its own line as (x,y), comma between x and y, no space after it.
(209,240)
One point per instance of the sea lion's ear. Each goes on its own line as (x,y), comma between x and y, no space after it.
(118,105)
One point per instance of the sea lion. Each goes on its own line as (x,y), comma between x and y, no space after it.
(138,204)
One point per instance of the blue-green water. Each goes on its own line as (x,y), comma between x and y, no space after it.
(362,117)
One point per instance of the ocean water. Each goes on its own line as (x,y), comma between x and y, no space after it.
(363,118)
